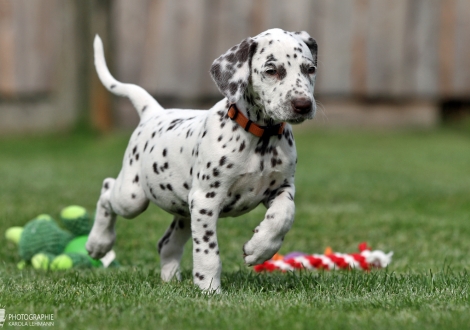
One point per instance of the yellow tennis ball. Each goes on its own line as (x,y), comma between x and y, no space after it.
(73,212)
(62,262)
(40,261)
(46,217)
(13,234)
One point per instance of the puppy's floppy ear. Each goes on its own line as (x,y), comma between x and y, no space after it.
(231,71)
(310,42)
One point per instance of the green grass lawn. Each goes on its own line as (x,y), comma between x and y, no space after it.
(407,192)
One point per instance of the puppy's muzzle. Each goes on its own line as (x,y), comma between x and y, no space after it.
(302,106)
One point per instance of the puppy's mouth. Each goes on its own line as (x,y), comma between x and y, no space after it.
(296,121)
(287,113)
(297,117)
(301,109)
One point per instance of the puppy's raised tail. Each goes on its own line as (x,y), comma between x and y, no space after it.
(140,98)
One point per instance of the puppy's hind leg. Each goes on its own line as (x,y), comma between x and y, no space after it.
(122,196)
(171,245)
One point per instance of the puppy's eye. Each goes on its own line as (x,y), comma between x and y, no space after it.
(312,70)
(270,71)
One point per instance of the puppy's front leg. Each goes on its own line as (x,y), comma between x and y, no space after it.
(269,234)
(207,266)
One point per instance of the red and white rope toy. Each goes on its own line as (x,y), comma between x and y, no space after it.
(365,260)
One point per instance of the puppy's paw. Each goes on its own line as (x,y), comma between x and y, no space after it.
(170,270)
(207,284)
(260,248)
(98,246)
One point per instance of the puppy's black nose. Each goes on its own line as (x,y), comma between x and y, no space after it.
(302,105)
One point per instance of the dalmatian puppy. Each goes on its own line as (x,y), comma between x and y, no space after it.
(204,165)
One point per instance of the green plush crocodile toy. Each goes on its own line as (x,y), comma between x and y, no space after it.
(44,245)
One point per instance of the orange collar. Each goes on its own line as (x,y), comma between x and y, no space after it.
(249,126)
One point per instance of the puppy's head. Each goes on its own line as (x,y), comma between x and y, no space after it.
(279,67)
